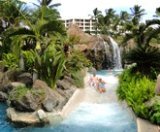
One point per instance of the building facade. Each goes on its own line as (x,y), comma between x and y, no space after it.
(86,25)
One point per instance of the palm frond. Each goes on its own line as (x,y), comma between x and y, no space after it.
(152,22)
(52,26)
(152,34)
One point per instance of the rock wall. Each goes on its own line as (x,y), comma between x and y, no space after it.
(98,49)
(28,105)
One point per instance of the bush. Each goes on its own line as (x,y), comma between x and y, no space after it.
(9,61)
(18,93)
(147,60)
(136,90)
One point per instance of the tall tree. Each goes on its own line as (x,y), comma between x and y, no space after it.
(137,14)
(48,3)
(108,23)
(10,17)
(96,14)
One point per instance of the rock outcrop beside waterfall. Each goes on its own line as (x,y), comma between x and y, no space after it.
(31,105)
(98,49)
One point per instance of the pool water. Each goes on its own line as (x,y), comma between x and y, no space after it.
(109,72)
(100,116)
(5,126)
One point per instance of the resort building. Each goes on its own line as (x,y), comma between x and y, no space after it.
(86,25)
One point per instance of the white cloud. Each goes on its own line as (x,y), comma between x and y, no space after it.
(82,8)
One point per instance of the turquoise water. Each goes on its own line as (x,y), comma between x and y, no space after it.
(93,118)
(5,126)
(109,72)
(88,117)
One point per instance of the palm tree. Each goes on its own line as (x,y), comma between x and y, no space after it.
(158,12)
(42,44)
(108,23)
(47,3)
(96,14)
(145,55)
(124,19)
(39,38)
(137,14)
(11,12)
(10,17)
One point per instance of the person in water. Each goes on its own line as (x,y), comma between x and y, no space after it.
(93,81)
(101,85)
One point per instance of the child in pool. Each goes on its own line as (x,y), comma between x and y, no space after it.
(101,85)
(93,81)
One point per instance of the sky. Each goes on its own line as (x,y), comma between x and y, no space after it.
(84,8)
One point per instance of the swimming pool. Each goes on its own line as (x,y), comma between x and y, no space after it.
(105,114)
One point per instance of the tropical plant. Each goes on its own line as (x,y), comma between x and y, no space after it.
(146,59)
(154,112)
(137,14)
(136,90)
(143,34)
(108,23)
(47,3)
(37,38)
(52,64)
(10,17)
(9,61)
(29,59)
(75,62)
(157,12)
(96,14)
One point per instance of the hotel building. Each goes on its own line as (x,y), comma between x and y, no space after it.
(86,25)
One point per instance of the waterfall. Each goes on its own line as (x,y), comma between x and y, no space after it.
(116,54)
(107,54)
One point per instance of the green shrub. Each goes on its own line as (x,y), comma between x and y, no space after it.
(29,58)
(18,93)
(136,89)
(154,109)
(9,61)
(147,59)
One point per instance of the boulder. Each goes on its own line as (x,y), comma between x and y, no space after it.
(63,84)
(42,115)
(3,96)
(49,104)
(24,99)
(39,96)
(27,118)
(17,84)
(25,78)
(7,79)
(69,79)
(7,87)
(26,104)
(52,99)
(12,74)
(4,82)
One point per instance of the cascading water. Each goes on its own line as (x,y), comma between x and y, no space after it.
(116,54)
(112,61)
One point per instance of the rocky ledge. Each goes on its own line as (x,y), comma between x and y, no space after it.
(36,104)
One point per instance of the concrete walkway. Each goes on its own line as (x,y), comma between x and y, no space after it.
(145,126)
(89,94)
